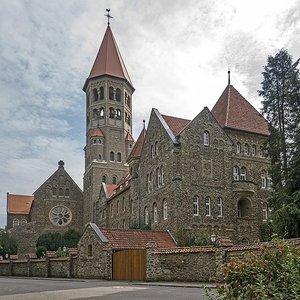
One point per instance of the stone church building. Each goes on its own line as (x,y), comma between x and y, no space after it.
(198,176)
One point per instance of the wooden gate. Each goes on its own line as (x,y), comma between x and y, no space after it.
(129,265)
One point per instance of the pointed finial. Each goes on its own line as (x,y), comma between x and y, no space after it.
(228,77)
(61,164)
(144,124)
(108,16)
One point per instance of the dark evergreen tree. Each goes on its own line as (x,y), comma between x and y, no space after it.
(8,244)
(281,106)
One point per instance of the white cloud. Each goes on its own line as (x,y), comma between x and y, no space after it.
(177,56)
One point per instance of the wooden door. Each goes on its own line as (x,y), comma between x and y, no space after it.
(129,265)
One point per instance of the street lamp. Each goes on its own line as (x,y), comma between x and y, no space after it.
(213,238)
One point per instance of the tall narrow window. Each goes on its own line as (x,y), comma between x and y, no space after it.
(60,192)
(263,179)
(158,177)
(269,181)
(118,114)
(101,113)
(156,148)
(207,207)
(54,192)
(206,138)
(112,156)
(111,93)
(95,114)
(238,147)
(118,94)
(119,157)
(15,222)
(243,174)
(253,150)
(114,180)
(67,193)
(148,183)
(220,207)
(151,181)
(246,149)
(101,93)
(104,178)
(265,212)
(95,93)
(128,101)
(154,213)
(90,250)
(236,173)
(146,216)
(162,175)
(196,206)
(111,113)
(165,209)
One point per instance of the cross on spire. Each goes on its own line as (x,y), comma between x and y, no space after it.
(108,16)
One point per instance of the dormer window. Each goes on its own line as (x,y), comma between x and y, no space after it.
(206,138)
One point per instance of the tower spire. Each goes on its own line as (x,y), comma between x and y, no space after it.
(108,16)
(228,77)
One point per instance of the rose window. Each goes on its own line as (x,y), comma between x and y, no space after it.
(60,215)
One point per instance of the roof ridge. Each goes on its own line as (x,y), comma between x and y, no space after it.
(227,109)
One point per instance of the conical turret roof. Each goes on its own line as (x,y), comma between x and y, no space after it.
(109,60)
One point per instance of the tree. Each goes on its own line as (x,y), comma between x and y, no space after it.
(8,244)
(71,238)
(281,105)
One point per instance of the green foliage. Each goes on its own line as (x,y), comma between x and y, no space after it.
(272,273)
(60,252)
(266,231)
(53,240)
(140,225)
(71,238)
(186,239)
(41,251)
(8,244)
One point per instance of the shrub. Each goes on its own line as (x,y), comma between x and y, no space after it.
(60,252)
(41,251)
(272,273)
(8,244)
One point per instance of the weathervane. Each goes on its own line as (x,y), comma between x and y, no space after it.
(108,16)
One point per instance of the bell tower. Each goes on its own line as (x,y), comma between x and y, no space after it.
(109,139)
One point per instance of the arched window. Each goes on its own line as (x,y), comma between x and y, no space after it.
(128,120)
(118,116)
(162,175)
(263,179)
(114,180)
(253,150)
(151,181)
(206,138)
(54,192)
(99,156)
(15,222)
(220,207)
(158,177)
(238,147)
(118,94)
(155,213)
(112,156)
(60,192)
(95,114)
(111,113)
(67,193)
(119,157)
(90,250)
(244,208)
(165,209)
(148,183)
(196,206)
(236,173)
(104,178)
(111,93)
(156,148)
(101,93)
(128,101)
(101,113)
(207,207)
(146,216)
(95,94)
(23,221)
(243,174)
(246,149)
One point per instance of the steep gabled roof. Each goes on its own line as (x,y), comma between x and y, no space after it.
(137,149)
(109,60)
(175,124)
(232,110)
(19,204)
(137,239)
(109,189)
(96,132)
(129,137)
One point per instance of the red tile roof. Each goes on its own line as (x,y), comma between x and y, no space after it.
(129,137)
(137,149)
(232,110)
(137,239)
(19,204)
(175,124)
(110,189)
(109,60)
(96,132)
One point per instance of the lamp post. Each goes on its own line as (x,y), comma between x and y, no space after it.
(213,238)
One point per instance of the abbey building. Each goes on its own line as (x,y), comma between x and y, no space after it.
(201,176)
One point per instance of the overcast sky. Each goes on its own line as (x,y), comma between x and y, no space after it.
(176,52)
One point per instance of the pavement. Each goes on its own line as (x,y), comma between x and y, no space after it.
(175,284)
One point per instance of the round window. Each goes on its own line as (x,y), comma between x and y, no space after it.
(60,215)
